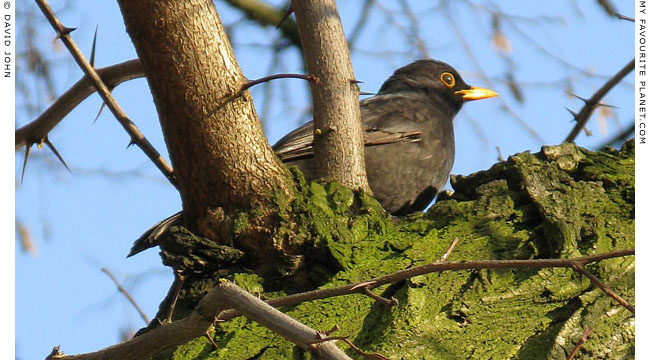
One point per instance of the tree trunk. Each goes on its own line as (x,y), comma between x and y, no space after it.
(338,137)
(220,155)
(562,202)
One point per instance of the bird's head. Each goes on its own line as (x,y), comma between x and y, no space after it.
(436,79)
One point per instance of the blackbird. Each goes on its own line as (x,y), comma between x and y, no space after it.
(408,137)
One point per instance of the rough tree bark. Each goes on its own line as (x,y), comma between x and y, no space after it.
(338,138)
(562,202)
(220,155)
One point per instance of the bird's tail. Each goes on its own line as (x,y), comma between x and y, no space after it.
(150,237)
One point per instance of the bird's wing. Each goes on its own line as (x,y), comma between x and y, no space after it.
(383,123)
(296,144)
(391,118)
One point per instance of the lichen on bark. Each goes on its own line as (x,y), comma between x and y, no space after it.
(564,201)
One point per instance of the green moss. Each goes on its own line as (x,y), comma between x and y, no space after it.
(562,202)
(241,223)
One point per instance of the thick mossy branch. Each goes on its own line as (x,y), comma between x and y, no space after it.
(564,201)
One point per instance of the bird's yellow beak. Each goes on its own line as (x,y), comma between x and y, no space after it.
(476,93)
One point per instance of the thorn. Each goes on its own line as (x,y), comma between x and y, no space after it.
(92,49)
(353,81)
(51,146)
(28,149)
(575,115)
(607,106)
(66,30)
(365,93)
(131,143)
(579,97)
(284,17)
(363,285)
(101,108)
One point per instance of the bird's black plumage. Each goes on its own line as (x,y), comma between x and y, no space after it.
(408,136)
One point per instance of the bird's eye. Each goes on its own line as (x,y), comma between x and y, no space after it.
(448,79)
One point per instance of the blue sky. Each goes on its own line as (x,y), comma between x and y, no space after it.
(87,219)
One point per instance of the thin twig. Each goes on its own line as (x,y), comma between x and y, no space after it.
(623,17)
(581,341)
(228,294)
(178,283)
(382,300)
(470,53)
(581,269)
(366,355)
(264,79)
(362,21)
(625,134)
(592,103)
(136,136)
(112,76)
(296,299)
(128,296)
(211,340)
(449,250)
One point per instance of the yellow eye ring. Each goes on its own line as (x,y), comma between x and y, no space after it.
(448,79)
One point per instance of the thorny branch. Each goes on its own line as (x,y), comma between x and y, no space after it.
(592,103)
(136,136)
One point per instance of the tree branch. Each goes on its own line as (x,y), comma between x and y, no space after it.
(438,266)
(592,103)
(226,294)
(136,136)
(111,76)
(266,14)
(338,137)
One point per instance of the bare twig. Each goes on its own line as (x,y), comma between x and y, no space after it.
(499,156)
(136,136)
(162,337)
(296,299)
(468,50)
(266,14)
(128,296)
(264,79)
(366,355)
(274,320)
(112,76)
(623,17)
(178,283)
(592,103)
(581,269)
(229,295)
(621,136)
(382,300)
(414,29)
(581,341)
(362,21)
(449,250)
